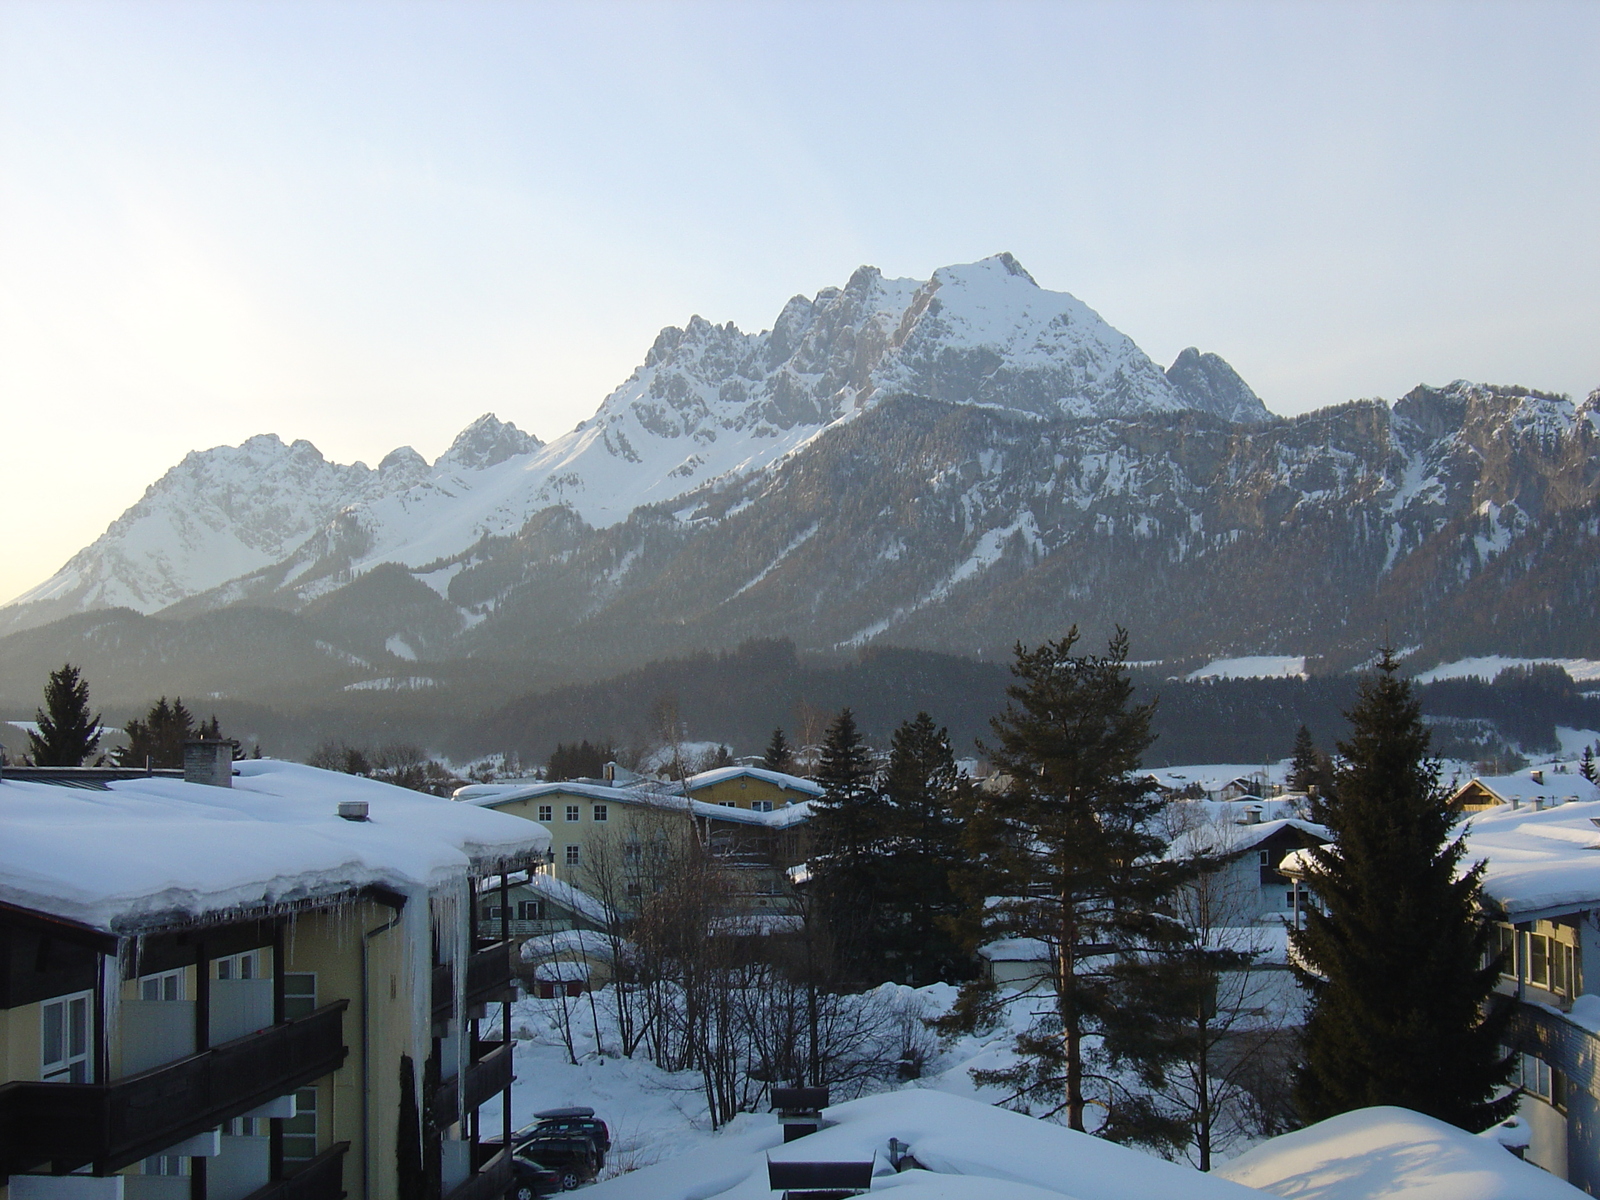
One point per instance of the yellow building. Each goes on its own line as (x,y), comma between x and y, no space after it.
(1536,789)
(252,991)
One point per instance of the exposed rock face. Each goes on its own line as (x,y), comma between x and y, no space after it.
(952,464)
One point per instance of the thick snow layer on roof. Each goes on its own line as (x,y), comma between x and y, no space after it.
(150,849)
(491,795)
(721,774)
(1554,786)
(1539,861)
(1226,837)
(1213,776)
(1384,1153)
(971,1150)
(574,899)
(570,944)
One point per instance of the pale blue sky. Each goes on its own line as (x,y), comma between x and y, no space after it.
(365,224)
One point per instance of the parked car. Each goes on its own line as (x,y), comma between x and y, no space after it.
(531,1179)
(575,1120)
(572,1156)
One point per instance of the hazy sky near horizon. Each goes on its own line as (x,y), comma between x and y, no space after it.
(364,224)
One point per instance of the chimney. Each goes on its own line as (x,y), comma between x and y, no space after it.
(353,810)
(1537,776)
(208,762)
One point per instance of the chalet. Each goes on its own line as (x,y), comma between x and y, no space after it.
(752,788)
(247,981)
(1248,841)
(1535,789)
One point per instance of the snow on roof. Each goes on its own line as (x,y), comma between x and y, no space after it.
(1017,949)
(1214,776)
(1226,837)
(570,943)
(1554,786)
(971,1151)
(148,850)
(1539,861)
(574,899)
(1390,1154)
(492,795)
(793,783)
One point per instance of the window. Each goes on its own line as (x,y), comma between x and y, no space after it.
(240,966)
(1558,966)
(166,1164)
(635,891)
(546,812)
(761,806)
(300,1130)
(601,812)
(572,812)
(530,910)
(492,912)
(632,852)
(728,803)
(64,1039)
(572,856)
(299,995)
(1538,959)
(168,985)
(246,1127)
(1506,946)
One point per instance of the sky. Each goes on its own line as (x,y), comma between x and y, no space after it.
(365,224)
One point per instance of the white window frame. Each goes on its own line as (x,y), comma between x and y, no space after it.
(70,1067)
(602,812)
(547,812)
(574,812)
(574,856)
(245,965)
(158,983)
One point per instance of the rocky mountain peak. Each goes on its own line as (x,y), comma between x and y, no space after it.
(1207,382)
(485,442)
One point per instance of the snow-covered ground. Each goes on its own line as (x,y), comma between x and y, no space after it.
(1254,666)
(1582,670)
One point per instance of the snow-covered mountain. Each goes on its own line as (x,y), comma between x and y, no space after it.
(709,403)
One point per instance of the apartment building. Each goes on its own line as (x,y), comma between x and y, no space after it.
(248,981)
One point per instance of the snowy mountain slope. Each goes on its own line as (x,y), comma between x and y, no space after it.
(710,403)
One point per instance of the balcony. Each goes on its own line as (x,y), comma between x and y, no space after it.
(112,1125)
(492,1181)
(488,976)
(320,1179)
(490,1074)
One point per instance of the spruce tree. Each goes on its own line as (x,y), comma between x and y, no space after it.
(919,906)
(1587,767)
(848,831)
(1064,852)
(778,756)
(67,733)
(1303,763)
(1396,955)
(158,739)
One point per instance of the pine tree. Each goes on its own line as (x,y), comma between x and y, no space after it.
(848,828)
(1587,768)
(67,733)
(920,906)
(778,756)
(1064,853)
(1397,958)
(158,739)
(1303,763)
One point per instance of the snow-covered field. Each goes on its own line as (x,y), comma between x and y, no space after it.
(1582,670)
(1253,666)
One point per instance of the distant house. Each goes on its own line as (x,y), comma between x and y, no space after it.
(603,836)
(1249,853)
(1536,789)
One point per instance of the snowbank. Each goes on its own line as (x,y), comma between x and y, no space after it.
(147,850)
(970,1150)
(1378,1153)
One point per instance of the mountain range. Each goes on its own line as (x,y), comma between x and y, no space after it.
(952,465)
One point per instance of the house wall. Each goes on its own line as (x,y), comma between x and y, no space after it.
(742,791)
(1547,1133)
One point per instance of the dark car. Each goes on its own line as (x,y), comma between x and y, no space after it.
(531,1179)
(573,1157)
(575,1120)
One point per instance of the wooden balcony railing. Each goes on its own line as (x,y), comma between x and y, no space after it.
(492,1181)
(112,1125)
(482,1079)
(320,1179)
(488,977)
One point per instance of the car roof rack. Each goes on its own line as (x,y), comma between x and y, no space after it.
(551,1114)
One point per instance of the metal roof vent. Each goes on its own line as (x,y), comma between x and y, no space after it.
(353,810)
